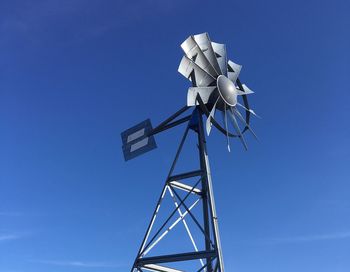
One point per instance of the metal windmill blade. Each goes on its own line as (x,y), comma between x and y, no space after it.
(216,84)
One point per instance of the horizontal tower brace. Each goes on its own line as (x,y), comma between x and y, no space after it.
(186,175)
(176,257)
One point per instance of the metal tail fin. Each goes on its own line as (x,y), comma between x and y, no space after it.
(137,140)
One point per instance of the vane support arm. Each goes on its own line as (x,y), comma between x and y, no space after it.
(169,123)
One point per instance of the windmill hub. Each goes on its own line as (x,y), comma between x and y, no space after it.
(227,90)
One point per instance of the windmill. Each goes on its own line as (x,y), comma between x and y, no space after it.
(215,88)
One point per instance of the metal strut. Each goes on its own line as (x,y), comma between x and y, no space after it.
(207,253)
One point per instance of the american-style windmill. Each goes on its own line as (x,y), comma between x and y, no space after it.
(215,87)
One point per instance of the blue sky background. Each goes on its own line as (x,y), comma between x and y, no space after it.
(74,74)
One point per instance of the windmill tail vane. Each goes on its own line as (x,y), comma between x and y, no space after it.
(216,87)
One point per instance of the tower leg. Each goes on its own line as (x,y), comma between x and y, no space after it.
(209,191)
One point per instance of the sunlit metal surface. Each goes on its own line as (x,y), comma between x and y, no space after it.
(227,90)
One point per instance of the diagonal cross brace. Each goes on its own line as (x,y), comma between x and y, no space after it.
(180,218)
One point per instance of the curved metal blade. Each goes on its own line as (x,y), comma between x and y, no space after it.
(226,127)
(234,70)
(204,93)
(238,130)
(204,43)
(211,115)
(239,115)
(246,90)
(221,56)
(195,53)
(187,67)
(250,110)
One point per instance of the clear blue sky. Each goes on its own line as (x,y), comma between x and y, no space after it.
(74,74)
